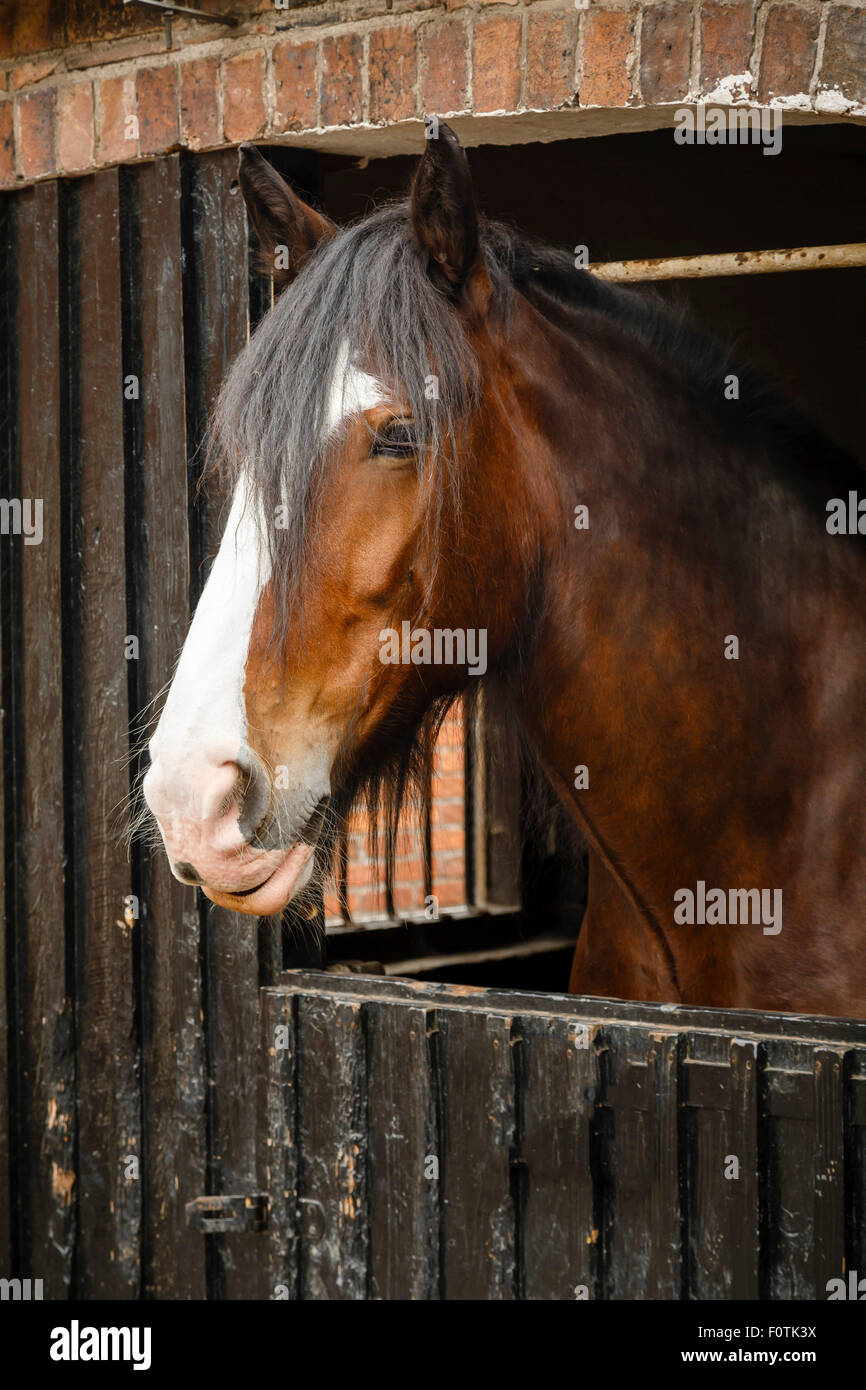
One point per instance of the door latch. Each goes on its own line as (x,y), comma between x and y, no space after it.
(216,1215)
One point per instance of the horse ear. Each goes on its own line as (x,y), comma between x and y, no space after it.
(288,230)
(444,220)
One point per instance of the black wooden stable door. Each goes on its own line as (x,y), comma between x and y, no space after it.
(130,1015)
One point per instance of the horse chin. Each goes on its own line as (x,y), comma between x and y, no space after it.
(277,891)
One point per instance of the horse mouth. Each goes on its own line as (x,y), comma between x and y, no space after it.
(279,887)
(273,893)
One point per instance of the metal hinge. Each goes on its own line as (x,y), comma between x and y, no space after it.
(214,1215)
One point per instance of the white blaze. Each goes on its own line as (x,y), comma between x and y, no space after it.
(204,710)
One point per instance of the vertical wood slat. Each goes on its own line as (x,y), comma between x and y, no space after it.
(278,1127)
(215,328)
(404,1153)
(48,1065)
(8,441)
(855,1159)
(559,1083)
(109,1202)
(805,1198)
(829,1167)
(641,1227)
(721,1197)
(173,1060)
(332,1139)
(478,1213)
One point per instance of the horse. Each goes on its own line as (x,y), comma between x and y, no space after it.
(442,426)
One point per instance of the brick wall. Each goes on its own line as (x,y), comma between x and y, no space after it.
(365,893)
(341,74)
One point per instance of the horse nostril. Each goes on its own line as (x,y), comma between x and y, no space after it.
(186,873)
(255,795)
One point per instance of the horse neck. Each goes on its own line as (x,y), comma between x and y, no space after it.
(701,761)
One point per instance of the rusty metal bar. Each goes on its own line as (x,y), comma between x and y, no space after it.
(734,263)
(185,12)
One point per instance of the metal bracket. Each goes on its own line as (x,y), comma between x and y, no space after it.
(216,1215)
(183,12)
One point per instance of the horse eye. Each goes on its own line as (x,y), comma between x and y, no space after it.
(396,440)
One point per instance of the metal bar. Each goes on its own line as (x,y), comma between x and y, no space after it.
(184,12)
(734,263)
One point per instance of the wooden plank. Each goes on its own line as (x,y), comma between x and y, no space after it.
(404,1152)
(278,1126)
(8,452)
(215,286)
(558,1079)
(332,1138)
(174,1080)
(495,799)
(804,1169)
(47,1063)
(478,1144)
(721,1167)
(829,1170)
(638,1158)
(109,1200)
(855,1160)
(664,1017)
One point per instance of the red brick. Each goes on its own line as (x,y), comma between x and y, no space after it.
(295,71)
(448,868)
(444,68)
(788,53)
(496,64)
(244,115)
(393,73)
(448,786)
(844,66)
(727,36)
(550,39)
(608,43)
(341,79)
(448,813)
(156,91)
(7,146)
(665,51)
(36,131)
(448,759)
(75,127)
(199,103)
(360,875)
(367,901)
(117,99)
(450,894)
(450,839)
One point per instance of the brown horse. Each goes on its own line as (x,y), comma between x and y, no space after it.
(448,446)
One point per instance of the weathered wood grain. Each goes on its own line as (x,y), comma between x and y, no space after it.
(109,1197)
(333,1191)
(47,1063)
(403,1138)
(559,1088)
(174,1080)
(478,1146)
